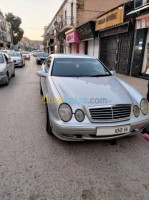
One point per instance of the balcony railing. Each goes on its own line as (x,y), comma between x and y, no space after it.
(66,22)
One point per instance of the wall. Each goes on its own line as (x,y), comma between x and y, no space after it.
(83,13)
(67,7)
(91,47)
(96,50)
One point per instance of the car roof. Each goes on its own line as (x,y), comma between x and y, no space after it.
(71,56)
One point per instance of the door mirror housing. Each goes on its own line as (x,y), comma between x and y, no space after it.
(9,61)
(41,74)
(113,72)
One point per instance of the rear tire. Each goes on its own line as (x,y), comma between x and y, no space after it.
(13,75)
(48,126)
(41,92)
(7,80)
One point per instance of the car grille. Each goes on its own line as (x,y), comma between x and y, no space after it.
(111,113)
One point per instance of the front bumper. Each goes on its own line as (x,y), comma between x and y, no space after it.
(82,133)
(2,79)
(19,64)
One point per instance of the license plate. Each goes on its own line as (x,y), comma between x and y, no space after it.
(117,130)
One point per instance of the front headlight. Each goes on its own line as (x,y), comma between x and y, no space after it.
(144,106)
(65,112)
(79,115)
(1,73)
(136,111)
(38,58)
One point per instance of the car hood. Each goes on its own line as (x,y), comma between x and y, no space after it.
(15,58)
(107,90)
(2,66)
(42,57)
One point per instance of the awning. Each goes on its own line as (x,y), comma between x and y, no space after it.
(137,10)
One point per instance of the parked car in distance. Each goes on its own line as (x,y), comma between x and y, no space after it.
(26,55)
(86,102)
(17,58)
(41,57)
(35,52)
(7,69)
(4,51)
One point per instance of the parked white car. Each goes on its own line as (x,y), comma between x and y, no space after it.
(17,58)
(7,69)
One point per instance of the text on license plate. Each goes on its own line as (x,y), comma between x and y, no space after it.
(117,130)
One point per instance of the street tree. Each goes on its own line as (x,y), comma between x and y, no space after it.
(15,22)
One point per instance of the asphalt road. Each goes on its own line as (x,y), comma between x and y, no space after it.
(36,166)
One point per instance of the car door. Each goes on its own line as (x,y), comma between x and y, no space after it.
(10,62)
(22,59)
(44,81)
(9,66)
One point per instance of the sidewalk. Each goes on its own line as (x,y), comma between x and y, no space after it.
(138,83)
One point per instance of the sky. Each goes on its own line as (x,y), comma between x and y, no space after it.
(35,14)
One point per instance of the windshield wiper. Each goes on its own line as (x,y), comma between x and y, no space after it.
(101,75)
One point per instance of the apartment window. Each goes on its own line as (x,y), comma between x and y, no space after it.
(72,13)
(65,17)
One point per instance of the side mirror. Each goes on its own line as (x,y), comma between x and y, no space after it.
(113,72)
(9,61)
(41,74)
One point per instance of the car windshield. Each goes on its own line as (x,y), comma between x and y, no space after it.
(79,68)
(1,58)
(14,54)
(43,54)
(4,51)
(24,53)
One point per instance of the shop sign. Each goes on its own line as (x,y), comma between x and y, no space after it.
(140,3)
(86,31)
(142,23)
(112,18)
(115,30)
(72,37)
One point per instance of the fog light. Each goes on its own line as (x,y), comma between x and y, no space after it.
(79,115)
(136,111)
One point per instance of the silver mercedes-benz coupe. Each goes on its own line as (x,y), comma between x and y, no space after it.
(85,101)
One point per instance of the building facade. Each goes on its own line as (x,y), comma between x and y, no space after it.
(139,59)
(116,35)
(5,33)
(72,15)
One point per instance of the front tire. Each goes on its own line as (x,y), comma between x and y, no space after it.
(48,126)
(41,92)
(7,80)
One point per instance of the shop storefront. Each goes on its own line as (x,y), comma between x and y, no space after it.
(72,41)
(88,39)
(140,50)
(116,40)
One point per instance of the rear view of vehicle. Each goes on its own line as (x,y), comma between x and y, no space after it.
(26,55)
(17,58)
(41,57)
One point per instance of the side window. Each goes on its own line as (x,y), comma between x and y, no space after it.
(1,58)
(47,65)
